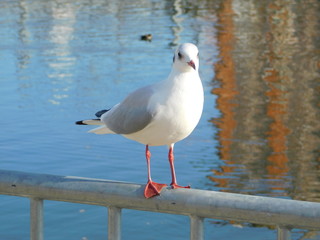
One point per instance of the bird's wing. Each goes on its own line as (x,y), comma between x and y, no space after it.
(132,114)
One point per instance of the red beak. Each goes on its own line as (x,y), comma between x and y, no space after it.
(191,64)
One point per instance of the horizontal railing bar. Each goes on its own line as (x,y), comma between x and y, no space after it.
(206,204)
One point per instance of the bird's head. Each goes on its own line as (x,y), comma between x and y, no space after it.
(186,58)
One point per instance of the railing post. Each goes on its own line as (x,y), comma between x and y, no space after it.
(114,223)
(283,233)
(36,219)
(196,228)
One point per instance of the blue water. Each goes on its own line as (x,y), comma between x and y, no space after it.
(61,61)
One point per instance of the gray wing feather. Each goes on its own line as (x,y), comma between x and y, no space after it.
(132,114)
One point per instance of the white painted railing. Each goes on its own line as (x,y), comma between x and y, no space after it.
(197,204)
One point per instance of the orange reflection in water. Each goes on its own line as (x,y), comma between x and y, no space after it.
(277,111)
(225,74)
(268,97)
(271,160)
(277,78)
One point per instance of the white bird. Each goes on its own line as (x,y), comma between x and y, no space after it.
(159,114)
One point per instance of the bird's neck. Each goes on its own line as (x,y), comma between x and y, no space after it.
(177,74)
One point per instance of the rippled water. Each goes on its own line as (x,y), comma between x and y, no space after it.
(62,60)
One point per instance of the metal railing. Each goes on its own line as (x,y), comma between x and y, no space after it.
(197,204)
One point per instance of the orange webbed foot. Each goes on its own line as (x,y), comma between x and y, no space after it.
(153,189)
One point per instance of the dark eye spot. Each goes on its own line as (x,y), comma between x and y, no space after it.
(179,55)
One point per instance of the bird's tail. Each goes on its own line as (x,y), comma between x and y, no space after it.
(90,122)
(98,130)
(97,121)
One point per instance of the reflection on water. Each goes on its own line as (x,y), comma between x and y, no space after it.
(60,35)
(269,98)
(63,60)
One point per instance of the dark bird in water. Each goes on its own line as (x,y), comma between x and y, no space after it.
(146,37)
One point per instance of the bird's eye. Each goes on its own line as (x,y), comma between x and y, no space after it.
(179,55)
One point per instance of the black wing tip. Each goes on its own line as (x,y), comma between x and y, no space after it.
(101,112)
(80,123)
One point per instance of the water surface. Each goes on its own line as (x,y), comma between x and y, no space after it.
(62,61)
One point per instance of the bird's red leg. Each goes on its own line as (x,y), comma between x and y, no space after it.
(173,173)
(152,188)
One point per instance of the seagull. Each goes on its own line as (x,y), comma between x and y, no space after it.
(159,114)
